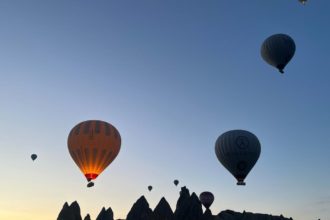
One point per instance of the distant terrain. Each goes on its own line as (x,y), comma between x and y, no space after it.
(188,207)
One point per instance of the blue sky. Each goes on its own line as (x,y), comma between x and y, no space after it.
(171,76)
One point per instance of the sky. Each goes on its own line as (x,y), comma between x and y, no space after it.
(171,76)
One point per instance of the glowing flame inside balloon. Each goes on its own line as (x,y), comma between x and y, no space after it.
(93,145)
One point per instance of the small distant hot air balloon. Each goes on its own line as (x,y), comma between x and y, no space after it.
(303,1)
(277,50)
(149,188)
(206,199)
(33,157)
(238,151)
(176,182)
(93,145)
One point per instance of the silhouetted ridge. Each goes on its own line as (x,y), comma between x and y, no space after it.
(184,197)
(195,210)
(208,215)
(71,212)
(75,208)
(188,207)
(232,215)
(163,211)
(87,217)
(140,210)
(105,214)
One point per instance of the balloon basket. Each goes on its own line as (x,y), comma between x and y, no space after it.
(240,183)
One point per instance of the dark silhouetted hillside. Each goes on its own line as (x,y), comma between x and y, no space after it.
(71,212)
(105,214)
(163,211)
(140,210)
(188,207)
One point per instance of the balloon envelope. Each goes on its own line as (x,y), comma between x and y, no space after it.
(238,151)
(149,188)
(93,145)
(206,199)
(176,182)
(33,156)
(277,50)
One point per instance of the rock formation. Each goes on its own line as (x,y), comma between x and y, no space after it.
(188,207)
(232,215)
(105,214)
(208,215)
(163,211)
(75,209)
(71,212)
(87,217)
(140,210)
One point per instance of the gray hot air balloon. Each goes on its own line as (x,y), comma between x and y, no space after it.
(206,199)
(176,182)
(277,50)
(149,188)
(303,1)
(238,151)
(33,156)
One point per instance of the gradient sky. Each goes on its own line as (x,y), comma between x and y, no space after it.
(171,76)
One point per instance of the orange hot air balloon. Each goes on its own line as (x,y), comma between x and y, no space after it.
(93,145)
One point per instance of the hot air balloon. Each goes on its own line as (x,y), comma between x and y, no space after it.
(238,151)
(33,157)
(149,188)
(93,145)
(206,199)
(176,182)
(277,50)
(303,1)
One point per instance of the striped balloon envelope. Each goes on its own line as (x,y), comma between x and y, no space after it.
(93,145)
(238,151)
